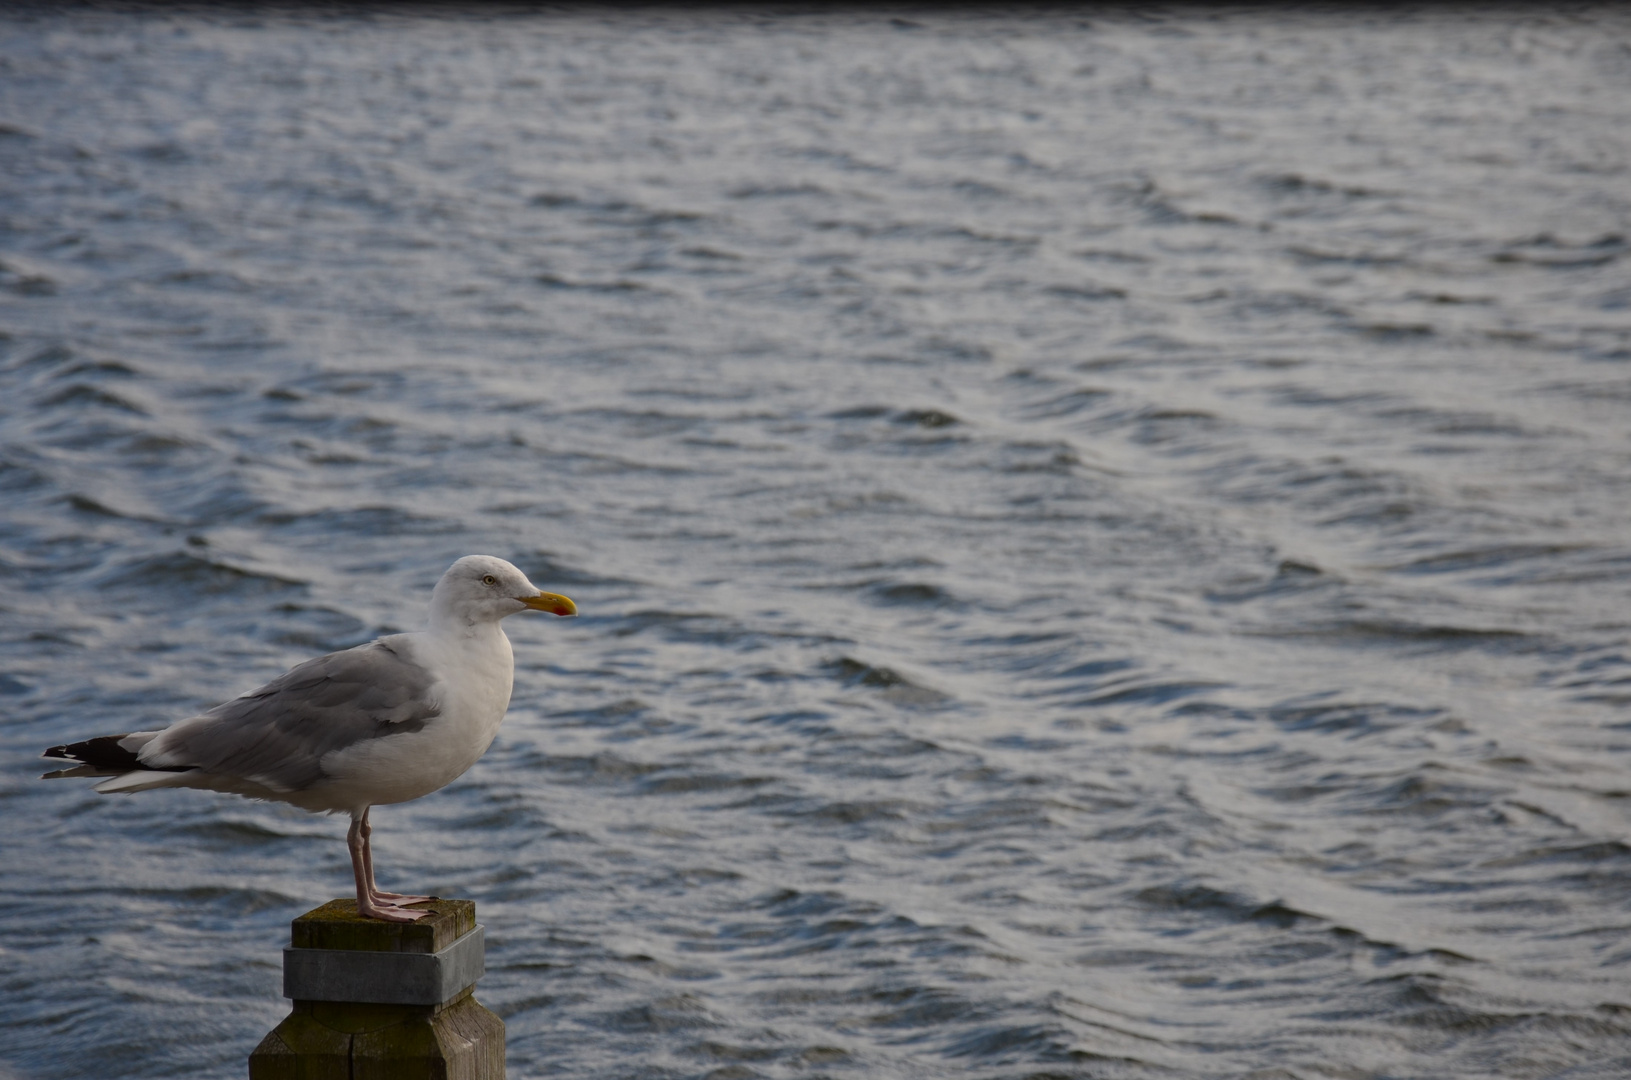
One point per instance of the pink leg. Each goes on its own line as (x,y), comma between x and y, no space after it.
(391,898)
(368,905)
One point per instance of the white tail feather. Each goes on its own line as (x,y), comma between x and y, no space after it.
(142,780)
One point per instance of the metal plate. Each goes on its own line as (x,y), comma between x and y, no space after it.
(385,978)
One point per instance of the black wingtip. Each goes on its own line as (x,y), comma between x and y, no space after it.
(102,754)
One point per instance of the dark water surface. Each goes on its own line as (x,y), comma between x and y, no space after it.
(1103,540)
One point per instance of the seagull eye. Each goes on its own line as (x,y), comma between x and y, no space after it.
(489,580)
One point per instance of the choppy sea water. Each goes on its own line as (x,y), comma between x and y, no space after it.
(1102,537)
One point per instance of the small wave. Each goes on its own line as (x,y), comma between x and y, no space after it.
(84,504)
(1037,1043)
(1382,631)
(1591,853)
(82,394)
(315,628)
(1305,253)
(379,521)
(1485,558)
(687,626)
(522,819)
(920,1007)
(612,714)
(777,191)
(549,566)
(224,900)
(1086,292)
(1058,458)
(676,1012)
(190,574)
(1068,403)
(643,423)
(162,153)
(1352,718)
(1212,902)
(713,253)
(892,593)
(1112,256)
(1293,183)
(861,412)
(692,783)
(97,369)
(228,833)
(206,280)
(26,282)
(1548,252)
(1146,692)
(854,673)
(927,418)
(1428,792)
(1162,208)
(1090,670)
(615,285)
(1290,577)
(1383,331)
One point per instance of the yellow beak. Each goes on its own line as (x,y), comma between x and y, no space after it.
(553,603)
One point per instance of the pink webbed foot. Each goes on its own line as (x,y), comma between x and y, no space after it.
(389,912)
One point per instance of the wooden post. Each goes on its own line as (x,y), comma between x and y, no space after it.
(383,1001)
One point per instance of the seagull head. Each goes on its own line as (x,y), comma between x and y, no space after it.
(484,588)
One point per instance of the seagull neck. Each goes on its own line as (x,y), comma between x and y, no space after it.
(449,627)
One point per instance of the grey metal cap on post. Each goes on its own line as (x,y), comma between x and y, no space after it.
(385,978)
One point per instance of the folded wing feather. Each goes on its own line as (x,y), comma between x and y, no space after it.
(278,735)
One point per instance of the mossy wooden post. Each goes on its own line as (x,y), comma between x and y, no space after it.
(383,1001)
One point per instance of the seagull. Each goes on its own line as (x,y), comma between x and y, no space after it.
(385,722)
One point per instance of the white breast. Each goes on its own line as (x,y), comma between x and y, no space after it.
(475,674)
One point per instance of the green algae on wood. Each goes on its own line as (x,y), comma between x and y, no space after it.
(336,925)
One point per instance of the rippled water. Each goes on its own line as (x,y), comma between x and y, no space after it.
(1103,541)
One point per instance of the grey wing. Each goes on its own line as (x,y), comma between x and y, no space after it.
(279,734)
